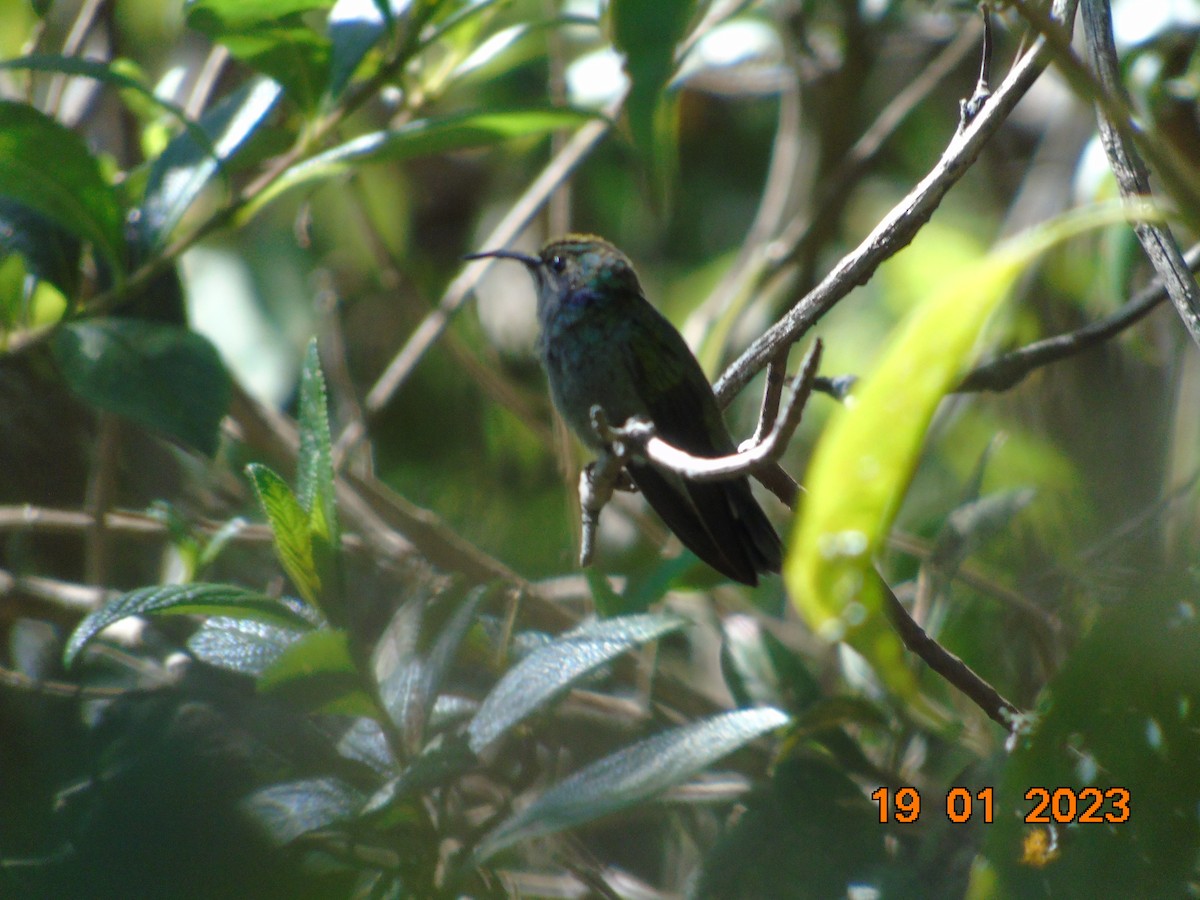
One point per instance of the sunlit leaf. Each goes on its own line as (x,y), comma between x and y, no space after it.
(183,599)
(161,376)
(47,168)
(317,672)
(864,461)
(289,525)
(314,464)
(631,775)
(193,158)
(550,670)
(235,14)
(273,39)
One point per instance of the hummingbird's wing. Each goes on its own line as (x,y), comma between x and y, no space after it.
(719,521)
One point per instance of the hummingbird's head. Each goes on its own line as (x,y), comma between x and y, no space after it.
(574,263)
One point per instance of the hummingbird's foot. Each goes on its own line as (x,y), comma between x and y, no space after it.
(597,481)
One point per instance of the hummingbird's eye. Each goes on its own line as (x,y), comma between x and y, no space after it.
(557,264)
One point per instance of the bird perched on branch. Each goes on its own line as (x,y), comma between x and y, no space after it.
(602,344)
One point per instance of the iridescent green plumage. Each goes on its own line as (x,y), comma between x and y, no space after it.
(603,344)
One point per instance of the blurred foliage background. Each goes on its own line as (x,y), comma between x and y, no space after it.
(189,193)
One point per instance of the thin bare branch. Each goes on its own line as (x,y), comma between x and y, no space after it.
(900,225)
(637,437)
(79,598)
(744,462)
(1003,372)
(1133,179)
(946,664)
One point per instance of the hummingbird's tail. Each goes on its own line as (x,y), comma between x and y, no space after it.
(720,522)
(761,539)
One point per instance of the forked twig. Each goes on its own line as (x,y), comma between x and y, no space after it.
(638,439)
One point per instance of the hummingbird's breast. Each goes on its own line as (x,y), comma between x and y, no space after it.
(582,348)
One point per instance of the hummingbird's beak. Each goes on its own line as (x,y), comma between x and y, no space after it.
(531,261)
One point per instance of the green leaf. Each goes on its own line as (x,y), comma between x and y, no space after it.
(632,775)
(241,14)
(810,833)
(865,459)
(317,673)
(290,527)
(648,34)
(241,645)
(354,28)
(971,525)
(161,376)
(606,601)
(192,158)
(439,764)
(116,74)
(1123,712)
(314,466)
(273,39)
(182,599)
(424,137)
(409,680)
(47,167)
(549,671)
(50,251)
(315,482)
(287,811)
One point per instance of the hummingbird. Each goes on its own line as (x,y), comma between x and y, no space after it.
(603,344)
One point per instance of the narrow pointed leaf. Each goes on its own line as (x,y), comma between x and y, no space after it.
(47,167)
(549,671)
(424,137)
(289,525)
(195,157)
(114,74)
(408,685)
(632,775)
(865,459)
(183,599)
(161,376)
(314,465)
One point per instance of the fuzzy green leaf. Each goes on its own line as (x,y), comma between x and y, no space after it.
(183,599)
(632,775)
(550,670)
(290,527)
